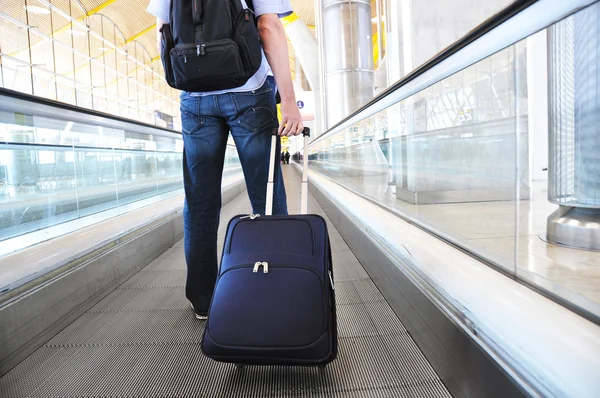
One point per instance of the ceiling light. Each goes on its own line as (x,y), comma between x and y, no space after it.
(37,10)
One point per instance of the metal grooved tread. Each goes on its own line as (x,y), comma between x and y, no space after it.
(143,341)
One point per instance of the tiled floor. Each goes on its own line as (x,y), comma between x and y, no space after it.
(143,341)
(490,230)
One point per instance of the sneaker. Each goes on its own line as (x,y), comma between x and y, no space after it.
(198,316)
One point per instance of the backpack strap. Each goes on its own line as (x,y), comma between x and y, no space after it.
(250,5)
(197,16)
(197,8)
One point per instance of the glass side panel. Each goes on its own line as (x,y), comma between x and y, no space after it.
(467,158)
(558,240)
(53,171)
(58,176)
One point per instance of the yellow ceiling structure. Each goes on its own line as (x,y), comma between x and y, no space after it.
(136,24)
(130,16)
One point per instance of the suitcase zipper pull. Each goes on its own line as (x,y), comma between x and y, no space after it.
(250,216)
(331,280)
(257,266)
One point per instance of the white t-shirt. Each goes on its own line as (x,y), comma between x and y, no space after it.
(160,9)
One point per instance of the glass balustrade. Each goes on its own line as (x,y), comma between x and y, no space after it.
(467,157)
(53,171)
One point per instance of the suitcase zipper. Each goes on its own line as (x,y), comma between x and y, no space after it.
(265,266)
(250,216)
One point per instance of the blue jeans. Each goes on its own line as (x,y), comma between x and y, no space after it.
(206,121)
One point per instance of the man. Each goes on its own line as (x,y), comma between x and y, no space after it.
(249,113)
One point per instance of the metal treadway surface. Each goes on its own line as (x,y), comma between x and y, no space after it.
(142,340)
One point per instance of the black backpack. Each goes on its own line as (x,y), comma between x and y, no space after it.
(210,45)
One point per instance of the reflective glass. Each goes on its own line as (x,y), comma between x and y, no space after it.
(485,157)
(53,171)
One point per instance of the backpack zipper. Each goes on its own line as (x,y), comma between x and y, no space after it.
(200,49)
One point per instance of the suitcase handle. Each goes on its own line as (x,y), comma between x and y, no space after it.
(304,192)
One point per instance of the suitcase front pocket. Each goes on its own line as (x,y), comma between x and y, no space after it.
(283,307)
(268,234)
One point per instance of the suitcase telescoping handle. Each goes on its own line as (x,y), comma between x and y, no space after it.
(274,154)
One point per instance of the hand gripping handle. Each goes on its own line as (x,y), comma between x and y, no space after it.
(272,160)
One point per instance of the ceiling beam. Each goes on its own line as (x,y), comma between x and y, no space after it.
(137,35)
(100,7)
(87,14)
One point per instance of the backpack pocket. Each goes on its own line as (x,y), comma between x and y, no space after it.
(248,40)
(166,46)
(205,65)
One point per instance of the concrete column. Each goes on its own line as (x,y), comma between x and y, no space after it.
(307,62)
(395,58)
(406,183)
(587,107)
(348,56)
(301,82)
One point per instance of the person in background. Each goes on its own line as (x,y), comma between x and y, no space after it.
(250,113)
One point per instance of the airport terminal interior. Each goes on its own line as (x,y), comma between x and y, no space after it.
(454,155)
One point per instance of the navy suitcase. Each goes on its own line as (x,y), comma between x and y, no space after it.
(274,301)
